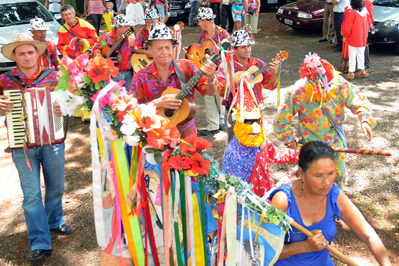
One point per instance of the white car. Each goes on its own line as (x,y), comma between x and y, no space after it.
(15,16)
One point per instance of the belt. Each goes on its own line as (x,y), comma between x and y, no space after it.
(339,12)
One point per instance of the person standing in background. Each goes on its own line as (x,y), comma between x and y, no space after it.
(54,6)
(370,9)
(339,9)
(49,59)
(192,18)
(215,5)
(251,15)
(328,12)
(226,13)
(96,9)
(237,12)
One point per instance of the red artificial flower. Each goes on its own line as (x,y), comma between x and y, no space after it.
(125,104)
(198,164)
(178,163)
(193,143)
(100,69)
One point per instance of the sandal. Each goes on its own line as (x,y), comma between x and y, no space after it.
(362,74)
(350,75)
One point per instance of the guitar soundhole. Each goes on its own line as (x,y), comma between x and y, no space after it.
(252,77)
(169,112)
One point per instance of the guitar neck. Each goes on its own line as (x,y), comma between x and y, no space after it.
(257,72)
(118,43)
(189,85)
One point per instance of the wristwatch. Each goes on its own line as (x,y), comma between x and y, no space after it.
(213,82)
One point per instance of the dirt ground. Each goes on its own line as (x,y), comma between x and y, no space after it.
(373,180)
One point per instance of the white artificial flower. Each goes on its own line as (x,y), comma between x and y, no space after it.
(132,140)
(129,125)
(68,102)
(148,109)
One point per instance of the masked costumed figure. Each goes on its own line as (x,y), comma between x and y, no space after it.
(319,98)
(249,153)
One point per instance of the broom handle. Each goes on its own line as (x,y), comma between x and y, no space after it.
(330,248)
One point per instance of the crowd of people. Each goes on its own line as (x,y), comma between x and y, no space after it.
(318,98)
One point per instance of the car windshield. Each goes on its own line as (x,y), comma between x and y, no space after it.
(15,14)
(390,3)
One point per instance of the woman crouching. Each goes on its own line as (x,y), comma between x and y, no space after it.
(315,201)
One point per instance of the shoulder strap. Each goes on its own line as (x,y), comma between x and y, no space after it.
(178,73)
(70,32)
(339,128)
(45,72)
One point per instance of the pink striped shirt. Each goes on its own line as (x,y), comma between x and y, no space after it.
(95,7)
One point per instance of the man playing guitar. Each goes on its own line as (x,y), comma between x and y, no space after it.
(123,52)
(149,83)
(213,104)
(242,61)
(151,18)
(76,36)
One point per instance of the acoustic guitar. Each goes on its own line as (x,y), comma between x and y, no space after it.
(196,52)
(139,61)
(107,51)
(187,109)
(256,76)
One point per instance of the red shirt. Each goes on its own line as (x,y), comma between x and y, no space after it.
(50,58)
(124,52)
(148,85)
(356,26)
(217,37)
(258,86)
(141,38)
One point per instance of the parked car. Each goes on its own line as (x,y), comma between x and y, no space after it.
(15,16)
(386,23)
(180,10)
(302,14)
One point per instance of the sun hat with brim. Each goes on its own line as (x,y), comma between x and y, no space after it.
(206,13)
(22,38)
(159,31)
(241,38)
(120,21)
(38,24)
(151,14)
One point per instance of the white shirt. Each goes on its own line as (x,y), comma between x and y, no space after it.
(54,6)
(340,7)
(225,2)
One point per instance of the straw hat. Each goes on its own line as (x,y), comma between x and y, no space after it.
(22,38)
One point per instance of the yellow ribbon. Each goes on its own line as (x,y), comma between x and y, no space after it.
(199,247)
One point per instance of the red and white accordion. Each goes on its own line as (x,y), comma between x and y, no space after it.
(33,118)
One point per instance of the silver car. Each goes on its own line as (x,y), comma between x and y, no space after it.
(386,23)
(15,16)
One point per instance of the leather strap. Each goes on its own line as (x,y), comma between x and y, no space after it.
(179,74)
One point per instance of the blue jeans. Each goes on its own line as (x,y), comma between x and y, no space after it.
(40,219)
(126,76)
(192,18)
(338,19)
(161,10)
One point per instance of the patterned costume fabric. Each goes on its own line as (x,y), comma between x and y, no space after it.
(82,29)
(124,52)
(141,38)
(38,24)
(50,58)
(148,85)
(217,37)
(257,88)
(251,164)
(206,13)
(314,123)
(5,82)
(241,38)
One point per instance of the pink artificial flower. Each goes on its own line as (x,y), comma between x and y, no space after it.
(83,60)
(70,64)
(312,61)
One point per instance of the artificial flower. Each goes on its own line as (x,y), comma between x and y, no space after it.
(132,140)
(148,109)
(193,143)
(197,164)
(178,163)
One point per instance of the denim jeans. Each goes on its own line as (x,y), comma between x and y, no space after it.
(338,19)
(40,219)
(126,76)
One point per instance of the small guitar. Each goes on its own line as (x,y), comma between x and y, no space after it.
(196,52)
(107,51)
(187,109)
(139,61)
(256,76)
